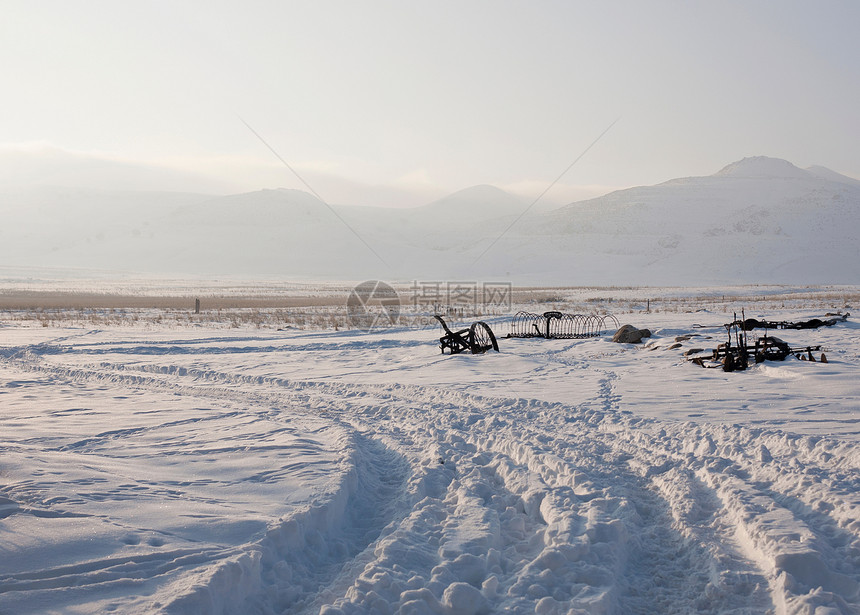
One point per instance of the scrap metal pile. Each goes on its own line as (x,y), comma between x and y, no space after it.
(751,323)
(555,325)
(738,352)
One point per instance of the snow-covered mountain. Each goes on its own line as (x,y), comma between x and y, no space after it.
(758,220)
(472,204)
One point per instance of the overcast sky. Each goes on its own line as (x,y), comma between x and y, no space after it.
(401,101)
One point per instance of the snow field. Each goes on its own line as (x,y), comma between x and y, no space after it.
(354,473)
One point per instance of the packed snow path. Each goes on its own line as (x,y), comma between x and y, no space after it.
(350,473)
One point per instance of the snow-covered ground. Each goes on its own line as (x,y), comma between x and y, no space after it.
(203,470)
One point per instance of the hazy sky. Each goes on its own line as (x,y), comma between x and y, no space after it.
(432,96)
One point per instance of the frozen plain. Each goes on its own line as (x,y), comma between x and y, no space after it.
(203,470)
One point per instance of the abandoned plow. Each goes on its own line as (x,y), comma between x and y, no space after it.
(477,339)
(556,325)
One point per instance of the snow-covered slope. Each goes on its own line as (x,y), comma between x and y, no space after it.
(757,220)
(830,175)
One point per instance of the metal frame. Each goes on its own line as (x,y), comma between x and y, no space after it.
(477,339)
(556,325)
(737,352)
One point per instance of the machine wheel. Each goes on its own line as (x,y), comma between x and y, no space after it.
(482,338)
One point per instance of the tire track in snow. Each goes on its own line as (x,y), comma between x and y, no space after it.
(748,577)
(124,569)
(468,544)
(607,536)
(653,567)
(670,536)
(300,555)
(784,542)
(701,518)
(525,587)
(804,568)
(574,548)
(610,441)
(308,551)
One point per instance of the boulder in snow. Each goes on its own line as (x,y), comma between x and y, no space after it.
(628,334)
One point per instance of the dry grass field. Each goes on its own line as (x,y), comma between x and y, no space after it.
(274,306)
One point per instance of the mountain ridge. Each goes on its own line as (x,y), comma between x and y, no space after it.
(759,220)
(762,166)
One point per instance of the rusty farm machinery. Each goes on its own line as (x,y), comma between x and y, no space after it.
(477,339)
(556,325)
(738,352)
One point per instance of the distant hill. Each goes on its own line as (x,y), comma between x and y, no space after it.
(260,208)
(763,167)
(825,173)
(758,220)
(475,203)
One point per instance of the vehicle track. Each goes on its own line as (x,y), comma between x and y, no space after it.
(516,498)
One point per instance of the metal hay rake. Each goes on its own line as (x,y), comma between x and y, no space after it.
(556,325)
